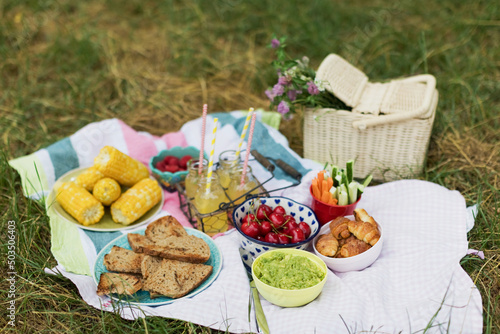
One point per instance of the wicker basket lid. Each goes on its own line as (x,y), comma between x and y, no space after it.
(342,79)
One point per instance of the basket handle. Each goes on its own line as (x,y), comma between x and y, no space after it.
(430,80)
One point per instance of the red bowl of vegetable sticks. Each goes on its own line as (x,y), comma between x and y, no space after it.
(327,212)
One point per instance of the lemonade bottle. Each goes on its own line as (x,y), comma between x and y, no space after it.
(193,177)
(237,189)
(228,160)
(207,202)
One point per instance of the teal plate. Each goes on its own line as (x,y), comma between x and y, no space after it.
(142,297)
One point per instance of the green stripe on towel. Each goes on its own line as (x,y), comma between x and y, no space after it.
(32,174)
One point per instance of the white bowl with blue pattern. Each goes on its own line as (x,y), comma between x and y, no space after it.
(256,247)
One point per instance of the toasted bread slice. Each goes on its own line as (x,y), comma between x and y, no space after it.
(165,227)
(175,279)
(188,248)
(123,260)
(119,283)
(149,264)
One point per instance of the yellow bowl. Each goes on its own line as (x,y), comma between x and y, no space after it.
(290,298)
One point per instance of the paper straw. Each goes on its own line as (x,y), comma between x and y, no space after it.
(249,145)
(202,147)
(211,158)
(243,133)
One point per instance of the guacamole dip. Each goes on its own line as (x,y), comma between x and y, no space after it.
(288,271)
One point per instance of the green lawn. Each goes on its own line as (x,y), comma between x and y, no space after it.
(152,64)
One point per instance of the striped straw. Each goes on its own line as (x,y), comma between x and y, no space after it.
(211,161)
(202,146)
(249,145)
(243,133)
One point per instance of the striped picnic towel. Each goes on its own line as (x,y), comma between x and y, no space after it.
(416,283)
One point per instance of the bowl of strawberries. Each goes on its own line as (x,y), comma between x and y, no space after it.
(169,167)
(274,222)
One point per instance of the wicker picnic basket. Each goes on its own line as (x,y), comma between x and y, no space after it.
(388,130)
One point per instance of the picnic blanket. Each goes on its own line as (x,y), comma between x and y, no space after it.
(416,283)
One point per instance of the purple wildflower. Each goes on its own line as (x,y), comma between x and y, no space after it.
(292,94)
(275,43)
(278,90)
(283,108)
(312,88)
(283,81)
(270,95)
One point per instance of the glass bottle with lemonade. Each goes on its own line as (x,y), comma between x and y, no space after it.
(208,201)
(228,160)
(236,189)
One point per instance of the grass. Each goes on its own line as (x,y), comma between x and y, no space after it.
(152,64)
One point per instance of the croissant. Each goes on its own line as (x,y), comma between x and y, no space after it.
(327,245)
(339,228)
(364,231)
(353,246)
(362,216)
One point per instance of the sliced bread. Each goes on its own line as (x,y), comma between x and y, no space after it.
(165,227)
(187,248)
(123,260)
(175,279)
(119,283)
(149,264)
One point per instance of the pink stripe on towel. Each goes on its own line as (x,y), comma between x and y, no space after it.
(174,139)
(140,147)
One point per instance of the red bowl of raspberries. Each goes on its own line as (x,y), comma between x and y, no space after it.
(169,167)
(266,223)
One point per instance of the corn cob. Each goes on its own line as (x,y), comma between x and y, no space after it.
(88,178)
(79,203)
(136,201)
(107,191)
(119,166)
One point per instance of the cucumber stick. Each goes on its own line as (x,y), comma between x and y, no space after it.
(345,189)
(353,192)
(343,198)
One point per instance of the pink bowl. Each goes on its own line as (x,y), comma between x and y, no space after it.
(326,212)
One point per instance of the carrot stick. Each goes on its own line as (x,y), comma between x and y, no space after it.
(333,201)
(329,182)
(324,186)
(326,197)
(321,176)
(315,188)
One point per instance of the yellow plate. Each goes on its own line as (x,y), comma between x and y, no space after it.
(106,224)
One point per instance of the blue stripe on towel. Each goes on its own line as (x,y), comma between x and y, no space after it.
(63,157)
(265,145)
(101,239)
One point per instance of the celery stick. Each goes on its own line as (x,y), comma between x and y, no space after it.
(343,198)
(349,166)
(353,192)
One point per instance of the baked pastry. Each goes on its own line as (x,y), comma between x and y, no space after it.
(339,228)
(365,231)
(327,245)
(353,246)
(363,216)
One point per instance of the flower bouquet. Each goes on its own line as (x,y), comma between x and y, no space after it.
(297,85)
